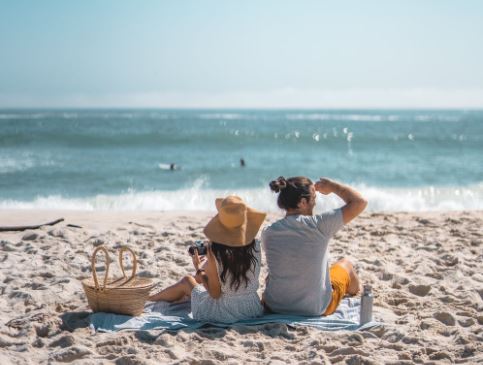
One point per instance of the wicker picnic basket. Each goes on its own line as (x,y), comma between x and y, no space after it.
(124,295)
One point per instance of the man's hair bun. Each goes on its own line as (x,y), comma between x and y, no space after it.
(291,190)
(278,185)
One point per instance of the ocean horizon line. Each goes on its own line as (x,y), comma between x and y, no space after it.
(102,108)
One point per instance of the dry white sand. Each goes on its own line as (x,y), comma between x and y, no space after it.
(426,271)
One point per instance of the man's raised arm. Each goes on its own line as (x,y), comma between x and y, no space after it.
(355,203)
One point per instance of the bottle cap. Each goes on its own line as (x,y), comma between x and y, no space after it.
(367,288)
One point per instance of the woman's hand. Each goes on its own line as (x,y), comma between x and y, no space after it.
(210,259)
(212,283)
(196,260)
(209,252)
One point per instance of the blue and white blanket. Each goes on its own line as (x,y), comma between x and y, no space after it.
(165,316)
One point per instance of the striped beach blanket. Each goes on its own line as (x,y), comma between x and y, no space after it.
(166,316)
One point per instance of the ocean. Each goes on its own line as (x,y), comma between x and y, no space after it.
(416,160)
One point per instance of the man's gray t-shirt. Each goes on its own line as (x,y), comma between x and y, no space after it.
(296,248)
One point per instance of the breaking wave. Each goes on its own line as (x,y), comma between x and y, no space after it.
(198,199)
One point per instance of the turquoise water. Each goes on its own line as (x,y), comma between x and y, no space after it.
(119,159)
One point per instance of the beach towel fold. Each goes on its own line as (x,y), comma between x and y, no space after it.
(166,316)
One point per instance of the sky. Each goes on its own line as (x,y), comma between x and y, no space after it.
(241,54)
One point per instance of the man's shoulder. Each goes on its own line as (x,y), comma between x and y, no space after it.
(274,228)
(277,224)
(291,223)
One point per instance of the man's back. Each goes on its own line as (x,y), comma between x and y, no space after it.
(296,248)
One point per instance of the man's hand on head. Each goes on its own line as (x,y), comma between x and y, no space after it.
(355,203)
(324,186)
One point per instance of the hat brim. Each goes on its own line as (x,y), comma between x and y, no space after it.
(215,231)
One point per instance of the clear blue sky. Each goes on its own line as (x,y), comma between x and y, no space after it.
(270,53)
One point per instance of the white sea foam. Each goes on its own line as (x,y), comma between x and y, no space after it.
(163,116)
(436,117)
(372,117)
(22,162)
(224,116)
(198,199)
(9,165)
(343,117)
(8,116)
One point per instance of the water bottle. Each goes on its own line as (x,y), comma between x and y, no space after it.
(366,305)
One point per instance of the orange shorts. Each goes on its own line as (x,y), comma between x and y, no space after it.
(340,280)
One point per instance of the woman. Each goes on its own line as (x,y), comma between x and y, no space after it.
(300,280)
(225,286)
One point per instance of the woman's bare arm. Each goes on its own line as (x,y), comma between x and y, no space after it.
(210,276)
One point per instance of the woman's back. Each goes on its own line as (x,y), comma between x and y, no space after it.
(252,275)
(235,303)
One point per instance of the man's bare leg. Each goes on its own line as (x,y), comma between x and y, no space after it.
(176,291)
(354,282)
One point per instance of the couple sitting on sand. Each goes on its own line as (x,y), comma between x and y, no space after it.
(299,279)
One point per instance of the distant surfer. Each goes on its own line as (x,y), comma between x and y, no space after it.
(242,162)
(172,166)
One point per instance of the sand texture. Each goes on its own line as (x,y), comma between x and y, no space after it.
(426,270)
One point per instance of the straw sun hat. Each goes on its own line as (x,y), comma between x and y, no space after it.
(236,224)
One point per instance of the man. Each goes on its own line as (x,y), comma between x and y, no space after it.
(299,278)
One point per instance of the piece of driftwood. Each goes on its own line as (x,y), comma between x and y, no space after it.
(23,228)
(141,225)
(74,226)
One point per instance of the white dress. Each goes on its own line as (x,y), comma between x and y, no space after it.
(231,306)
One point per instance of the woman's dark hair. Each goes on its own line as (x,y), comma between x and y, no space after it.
(291,190)
(236,261)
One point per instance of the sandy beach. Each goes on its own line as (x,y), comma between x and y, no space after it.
(426,270)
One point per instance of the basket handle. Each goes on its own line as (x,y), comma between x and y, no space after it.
(93,266)
(134,263)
